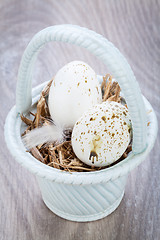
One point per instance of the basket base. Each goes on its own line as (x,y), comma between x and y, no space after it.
(86,218)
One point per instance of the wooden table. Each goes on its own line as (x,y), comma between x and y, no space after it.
(134,27)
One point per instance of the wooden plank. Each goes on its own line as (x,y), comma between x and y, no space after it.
(133,26)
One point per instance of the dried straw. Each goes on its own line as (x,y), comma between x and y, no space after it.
(62,156)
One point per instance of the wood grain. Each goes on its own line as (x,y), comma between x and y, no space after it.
(133,26)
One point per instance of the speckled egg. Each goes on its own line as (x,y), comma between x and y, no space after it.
(74,90)
(102,134)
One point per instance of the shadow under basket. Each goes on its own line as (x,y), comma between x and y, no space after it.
(82,196)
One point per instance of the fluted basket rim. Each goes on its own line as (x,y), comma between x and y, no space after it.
(18,151)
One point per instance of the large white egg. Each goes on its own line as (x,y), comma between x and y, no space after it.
(74,90)
(102,134)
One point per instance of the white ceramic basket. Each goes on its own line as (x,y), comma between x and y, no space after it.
(82,196)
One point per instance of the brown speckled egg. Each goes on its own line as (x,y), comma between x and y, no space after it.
(74,90)
(102,134)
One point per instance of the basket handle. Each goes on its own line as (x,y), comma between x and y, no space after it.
(104,50)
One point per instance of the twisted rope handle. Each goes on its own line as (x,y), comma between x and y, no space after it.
(104,50)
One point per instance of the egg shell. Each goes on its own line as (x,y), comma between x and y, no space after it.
(102,134)
(74,90)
